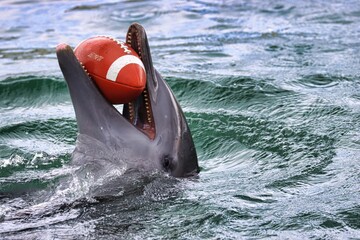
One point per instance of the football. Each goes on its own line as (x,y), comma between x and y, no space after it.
(114,66)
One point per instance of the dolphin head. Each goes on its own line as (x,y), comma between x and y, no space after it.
(151,132)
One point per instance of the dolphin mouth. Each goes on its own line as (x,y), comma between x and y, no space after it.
(139,112)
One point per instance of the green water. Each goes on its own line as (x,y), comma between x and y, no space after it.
(271,91)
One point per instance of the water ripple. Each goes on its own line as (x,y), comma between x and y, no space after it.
(271,94)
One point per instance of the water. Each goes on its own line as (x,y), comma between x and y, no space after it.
(271,90)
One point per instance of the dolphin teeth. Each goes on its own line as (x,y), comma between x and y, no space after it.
(131,112)
(85,70)
(128,39)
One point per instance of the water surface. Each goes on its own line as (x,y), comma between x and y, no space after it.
(271,92)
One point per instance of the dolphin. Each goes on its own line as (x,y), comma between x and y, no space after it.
(151,133)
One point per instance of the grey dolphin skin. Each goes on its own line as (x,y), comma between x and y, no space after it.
(151,134)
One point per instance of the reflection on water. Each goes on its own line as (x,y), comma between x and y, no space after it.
(271,93)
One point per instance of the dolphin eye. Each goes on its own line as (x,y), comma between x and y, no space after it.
(166,162)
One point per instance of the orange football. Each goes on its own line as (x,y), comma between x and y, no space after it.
(114,66)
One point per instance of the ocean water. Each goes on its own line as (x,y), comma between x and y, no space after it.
(271,91)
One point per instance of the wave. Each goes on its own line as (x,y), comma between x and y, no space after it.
(32,91)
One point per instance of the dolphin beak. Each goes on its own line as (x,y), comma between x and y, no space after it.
(139,112)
